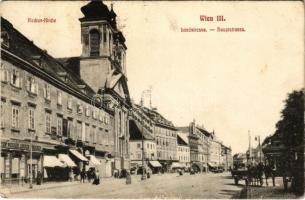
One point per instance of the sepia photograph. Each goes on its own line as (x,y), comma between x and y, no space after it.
(122,99)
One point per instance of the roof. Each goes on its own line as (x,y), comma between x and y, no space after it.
(96,10)
(157,118)
(109,81)
(205,132)
(25,49)
(182,139)
(137,132)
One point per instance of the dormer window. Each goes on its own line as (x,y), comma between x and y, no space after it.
(5,38)
(94,37)
(37,60)
(63,75)
(82,88)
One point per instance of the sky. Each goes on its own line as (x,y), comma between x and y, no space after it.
(229,82)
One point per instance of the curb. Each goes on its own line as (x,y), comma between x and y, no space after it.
(7,191)
(36,189)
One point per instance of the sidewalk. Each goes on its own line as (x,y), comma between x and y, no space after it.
(267,192)
(15,188)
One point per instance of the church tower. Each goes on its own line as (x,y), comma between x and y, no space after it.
(103,68)
(103,45)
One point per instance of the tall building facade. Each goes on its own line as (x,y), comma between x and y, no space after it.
(183,149)
(199,145)
(61,117)
(165,135)
(143,146)
(215,150)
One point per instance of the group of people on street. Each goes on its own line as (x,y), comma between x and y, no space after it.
(256,172)
(91,174)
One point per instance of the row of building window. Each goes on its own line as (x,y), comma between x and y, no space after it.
(64,127)
(32,86)
(166,142)
(165,131)
(165,155)
(183,149)
(184,158)
(198,157)
(148,146)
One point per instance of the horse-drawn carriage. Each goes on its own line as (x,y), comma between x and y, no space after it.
(252,174)
(240,174)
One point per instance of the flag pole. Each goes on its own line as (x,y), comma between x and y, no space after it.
(249,145)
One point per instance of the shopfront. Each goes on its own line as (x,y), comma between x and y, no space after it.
(16,161)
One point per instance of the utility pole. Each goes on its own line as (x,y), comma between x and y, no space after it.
(143,153)
(259,149)
(249,136)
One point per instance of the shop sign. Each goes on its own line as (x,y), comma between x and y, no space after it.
(24,146)
(3,144)
(13,145)
(21,146)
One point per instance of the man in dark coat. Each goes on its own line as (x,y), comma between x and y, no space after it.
(39,178)
(82,176)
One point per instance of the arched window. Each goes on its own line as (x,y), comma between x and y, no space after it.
(94,43)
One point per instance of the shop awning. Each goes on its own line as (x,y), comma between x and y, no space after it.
(66,160)
(52,161)
(155,163)
(94,160)
(78,155)
(176,165)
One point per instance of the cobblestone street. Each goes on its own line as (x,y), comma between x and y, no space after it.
(158,186)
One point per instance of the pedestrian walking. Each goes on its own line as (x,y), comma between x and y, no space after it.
(115,173)
(96,178)
(128,178)
(38,178)
(90,174)
(82,176)
(71,175)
